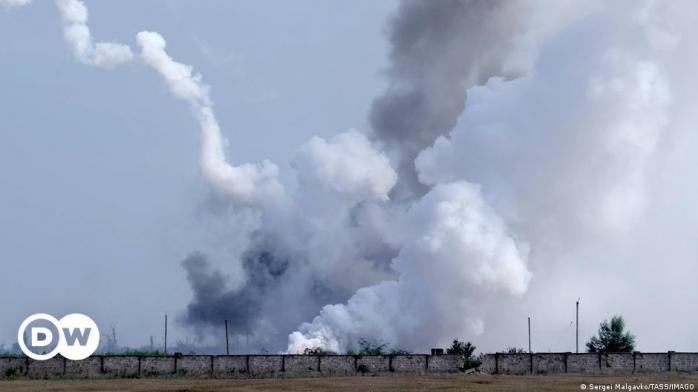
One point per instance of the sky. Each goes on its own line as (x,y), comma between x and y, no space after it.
(322,172)
(101,195)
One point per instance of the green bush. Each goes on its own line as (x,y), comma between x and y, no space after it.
(371,347)
(612,338)
(467,350)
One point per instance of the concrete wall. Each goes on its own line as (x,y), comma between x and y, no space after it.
(230,366)
(13,367)
(338,365)
(262,366)
(227,366)
(195,366)
(651,362)
(589,363)
(549,363)
(584,363)
(514,364)
(444,363)
(684,362)
(121,366)
(414,364)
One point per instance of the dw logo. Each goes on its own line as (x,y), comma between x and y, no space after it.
(41,336)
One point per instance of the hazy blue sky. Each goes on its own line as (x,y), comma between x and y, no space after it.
(569,171)
(100,196)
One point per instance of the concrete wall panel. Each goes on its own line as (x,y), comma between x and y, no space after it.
(338,365)
(87,368)
(120,366)
(194,366)
(51,368)
(157,366)
(414,364)
(230,366)
(368,364)
(12,367)
(265,366)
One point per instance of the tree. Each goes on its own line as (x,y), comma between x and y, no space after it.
(514,350)
(612,338)
(466,349)
(371,347)
(463,348)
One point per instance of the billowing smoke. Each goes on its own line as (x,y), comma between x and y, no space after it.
(575,156)
(561,172)
(455,251)
(438,50)
(77,34)
(327,240)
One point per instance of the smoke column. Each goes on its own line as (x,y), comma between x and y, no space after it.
(571,162)
(580,187)
(101,54)
(438,50)
(243,184)
(455,252)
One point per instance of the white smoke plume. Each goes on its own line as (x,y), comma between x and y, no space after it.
(455,251)
(245,184)
(566,165)
(347,164)
(338,232)
(575,157)
(77,34)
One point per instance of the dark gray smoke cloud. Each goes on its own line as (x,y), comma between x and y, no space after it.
(315,248)
(283,287)
(335,238)
(438,50)
(277,295)
(573,178)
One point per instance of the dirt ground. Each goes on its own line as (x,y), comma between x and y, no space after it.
(384,383)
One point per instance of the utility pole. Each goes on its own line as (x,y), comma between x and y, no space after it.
(529,336)
(247,327)
(576,340)
(227,348)
(165,334)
